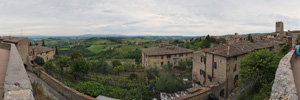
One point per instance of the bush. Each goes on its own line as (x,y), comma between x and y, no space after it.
(39,60)
(152,73)
(168,83)
(133,76)
(100,66)
(128,67)
(91,88)
(285,49)
(48,66)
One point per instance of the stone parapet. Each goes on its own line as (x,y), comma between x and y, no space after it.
(17,85)
(284,87)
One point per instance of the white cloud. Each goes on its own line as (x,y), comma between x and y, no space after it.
(145,17)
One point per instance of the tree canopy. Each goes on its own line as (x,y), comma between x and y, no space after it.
(80,67)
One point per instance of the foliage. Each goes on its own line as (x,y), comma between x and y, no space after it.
(75,54)
(101,66)
(104,80)
(118,68)
(259,67)
(62,62)
(38,92)
(285,49)
(80,67)
(43,43)
(128,67)
(167,67)
(56,51)
(298,39)
(184,65)
(48,66)
(39,60)
(91,88)
(168,83)
(250,38)
(116,63)
(133,76)
(221,40)
(152,73)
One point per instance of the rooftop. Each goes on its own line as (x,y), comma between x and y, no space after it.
(236,48)
(13,39)
(40,49)
(165,49)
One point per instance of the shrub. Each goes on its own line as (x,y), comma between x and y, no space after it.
(91,88)
(168,83)
(133,76)
(48,66)
(152,73)
(128,67)
(100,66)
(285,49)
(39,60)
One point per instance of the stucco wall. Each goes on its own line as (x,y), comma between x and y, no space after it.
(284,85)
(47,56)
(156,60)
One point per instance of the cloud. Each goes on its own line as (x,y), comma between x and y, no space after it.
(145,17)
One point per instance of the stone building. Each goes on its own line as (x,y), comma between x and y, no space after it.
(219,65)
(22,45)
(165,54)
(235,38)
(41,51)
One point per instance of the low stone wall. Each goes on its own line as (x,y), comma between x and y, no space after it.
(284,87)
(5,46)
(17,85)
(70,93)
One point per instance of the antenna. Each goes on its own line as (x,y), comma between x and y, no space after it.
(21,32)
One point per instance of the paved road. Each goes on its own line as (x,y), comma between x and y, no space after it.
(4,56)
(48,89)
(296,72)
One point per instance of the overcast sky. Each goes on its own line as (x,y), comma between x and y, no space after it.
(146,17)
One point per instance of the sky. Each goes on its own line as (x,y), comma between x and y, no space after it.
(146,17)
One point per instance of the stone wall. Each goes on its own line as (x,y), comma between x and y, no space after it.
(5,46)
(17,85)
(284,85)
(68,92)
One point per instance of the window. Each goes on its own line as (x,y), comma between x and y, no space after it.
(186,54)
(234,69)
(162,63)
(215,65)
(180,55)
(203,74)
(162,57)
(168,56)
(204,60)
(200,72)
(201,59)
(210,78)
(235,57)
(168,62)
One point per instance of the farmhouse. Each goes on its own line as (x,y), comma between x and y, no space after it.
(41,51)
(165,54)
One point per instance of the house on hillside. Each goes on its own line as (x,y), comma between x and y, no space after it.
(41,51)
(165,54)
(218,65)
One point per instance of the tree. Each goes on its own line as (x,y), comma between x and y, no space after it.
(250,38)
(79,67)
(100,66)
(43,43)
(56,51)
(207,38)
(116,63)
(48,66)
(298,39)
(118,68)
(39,60)
(168,83)
(285,49)
(259,67)
(62,62)
(30,44)
(221,40)
(36,43)
(92,88)
(75,54)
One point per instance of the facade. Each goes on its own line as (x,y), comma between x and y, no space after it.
(41,51)
(218,65)
(22,45)
(165,54)
(235,38)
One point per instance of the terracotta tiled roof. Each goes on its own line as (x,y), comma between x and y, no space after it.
(40,49)
(236,48)
(165,50)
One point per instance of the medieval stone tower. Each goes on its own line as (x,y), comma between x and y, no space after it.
(279,27)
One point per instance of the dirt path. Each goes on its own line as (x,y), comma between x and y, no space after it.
(48,89)
(296,72)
